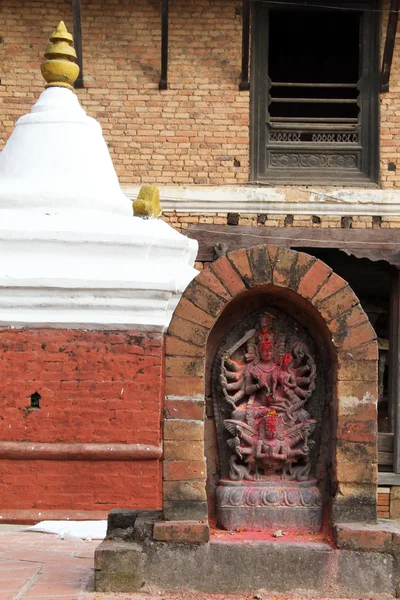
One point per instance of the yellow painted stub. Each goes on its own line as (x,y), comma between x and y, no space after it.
(147,204)
(60,70)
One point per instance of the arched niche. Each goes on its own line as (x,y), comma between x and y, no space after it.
(240,284)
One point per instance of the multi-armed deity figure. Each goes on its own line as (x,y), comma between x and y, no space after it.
(267,390)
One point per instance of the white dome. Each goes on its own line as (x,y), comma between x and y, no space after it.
(56,159)
(72,254)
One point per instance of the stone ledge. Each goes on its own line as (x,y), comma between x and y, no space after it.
(185,532)
(383,536)
(266,567)
(119,566)
(274,201)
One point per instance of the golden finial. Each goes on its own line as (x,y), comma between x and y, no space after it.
(60,70)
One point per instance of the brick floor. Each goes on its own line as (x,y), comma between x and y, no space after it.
(37,566)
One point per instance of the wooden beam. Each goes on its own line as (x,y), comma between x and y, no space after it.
(389,44)
(163,85)
(388,478)
(77,23)
(244,77)
(376,244)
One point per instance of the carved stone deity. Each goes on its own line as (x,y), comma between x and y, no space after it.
(266,389)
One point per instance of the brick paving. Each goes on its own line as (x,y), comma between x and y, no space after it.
(36,566)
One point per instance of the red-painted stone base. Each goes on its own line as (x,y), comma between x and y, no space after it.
(96,390)
(269,504)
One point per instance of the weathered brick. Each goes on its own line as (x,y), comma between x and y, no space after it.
(394,500)
(176,347)
(177,450)
(338,303)
(188,331)
(181,366)
(284,266)
(356,462)
(357,400)
(185,490)
(183,429)
(357,370)
(187,408)
(240,261)
(183,386)
(183,532)
(227,274)
(181,470)
(368,351)
(340,326)
(260,265)
(313,279)
(368,538)
(210,281)
(302,264)
(356,430)
(204,298)
(185,509)
(190,312)
(358,335)
(333,285)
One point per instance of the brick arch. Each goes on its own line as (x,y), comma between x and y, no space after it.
(354,347)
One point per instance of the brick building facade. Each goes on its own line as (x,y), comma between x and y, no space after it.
(197,132)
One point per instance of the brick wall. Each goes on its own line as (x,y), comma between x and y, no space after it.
(192,132)
(95,387)
(383,502)
(196,132)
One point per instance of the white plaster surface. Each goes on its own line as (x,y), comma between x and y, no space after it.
(72,254)
(348,404)
(277,200)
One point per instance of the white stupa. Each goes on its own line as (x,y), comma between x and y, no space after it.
(71,252)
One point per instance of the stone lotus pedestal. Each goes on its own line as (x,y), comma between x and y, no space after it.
(269,504)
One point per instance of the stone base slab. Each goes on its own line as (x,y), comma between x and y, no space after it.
(269,504)
(234,567)
(383,536)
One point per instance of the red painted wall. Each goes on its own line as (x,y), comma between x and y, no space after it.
(101,387)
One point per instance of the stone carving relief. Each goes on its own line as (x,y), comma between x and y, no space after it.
(334,161)
(269,426)
(266,380)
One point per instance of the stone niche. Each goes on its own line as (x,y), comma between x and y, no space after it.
(286,433)
(271,405)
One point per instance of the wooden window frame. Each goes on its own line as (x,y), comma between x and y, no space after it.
(367,154)
(389,443)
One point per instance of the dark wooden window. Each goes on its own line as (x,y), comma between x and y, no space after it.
(315,92)
(389,417)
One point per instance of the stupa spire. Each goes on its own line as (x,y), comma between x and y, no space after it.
(60,69)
